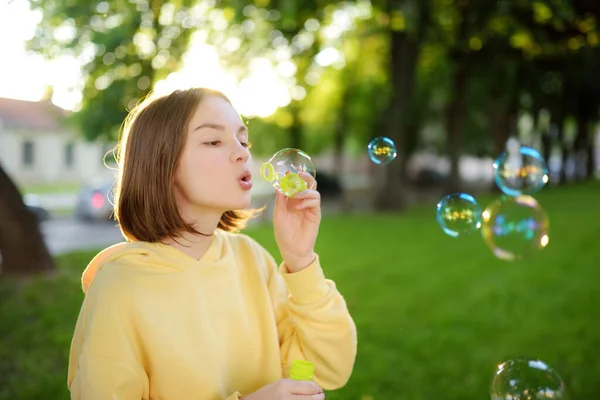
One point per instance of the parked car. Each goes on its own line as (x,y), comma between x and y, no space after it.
(33,205)
(41,214)
(328,186)
(428,177)
(95,202)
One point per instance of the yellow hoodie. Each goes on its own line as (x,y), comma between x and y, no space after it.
(157,324)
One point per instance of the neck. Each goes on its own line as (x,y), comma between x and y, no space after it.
(192,244)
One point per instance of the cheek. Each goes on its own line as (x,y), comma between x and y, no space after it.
(185,172)
(192,162)
(199,170)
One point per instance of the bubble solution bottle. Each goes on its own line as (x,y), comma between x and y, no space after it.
(302,370)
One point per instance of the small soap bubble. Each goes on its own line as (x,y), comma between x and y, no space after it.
(524,379)
(458,214)
(284,168)
(515,227)
(520,170)
(382,150)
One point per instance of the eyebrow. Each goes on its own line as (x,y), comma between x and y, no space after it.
(209,125)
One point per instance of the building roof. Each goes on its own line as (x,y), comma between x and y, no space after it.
(38,115)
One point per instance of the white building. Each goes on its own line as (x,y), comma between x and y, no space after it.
(36,147)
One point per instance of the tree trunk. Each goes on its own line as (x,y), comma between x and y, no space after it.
(454,122)
(404,52)
(590,170)
(584,140)
(559,132)
(22,246)
(500,125)
(584,147)
(536,131)
(565,155)
(341,134)
(296,128)
(547,142)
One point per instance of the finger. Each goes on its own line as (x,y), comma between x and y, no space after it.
(308,194)
(304,387)
(279,199)
(318,396)
(310,181)
(308,203)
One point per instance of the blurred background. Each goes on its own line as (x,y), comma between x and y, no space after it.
(449,81)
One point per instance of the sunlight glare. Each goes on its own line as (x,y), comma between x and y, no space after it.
(268,84)
(327,57)
(260,94)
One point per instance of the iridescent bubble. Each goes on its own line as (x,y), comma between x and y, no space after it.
(382,150)
(284,168)
(520,170)
(458,214)
(515,227)
(524,379)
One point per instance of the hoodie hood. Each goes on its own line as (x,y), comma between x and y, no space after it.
(106,256)
(150,255)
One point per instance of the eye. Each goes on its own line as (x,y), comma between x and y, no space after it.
(214,143)
(247,145)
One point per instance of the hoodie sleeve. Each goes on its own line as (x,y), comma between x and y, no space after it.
(313,323)
(102,362)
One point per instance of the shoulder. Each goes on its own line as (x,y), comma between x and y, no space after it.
(112,283)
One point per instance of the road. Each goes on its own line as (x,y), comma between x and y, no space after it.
(66,235)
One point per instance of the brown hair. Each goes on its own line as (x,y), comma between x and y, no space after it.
(152,141)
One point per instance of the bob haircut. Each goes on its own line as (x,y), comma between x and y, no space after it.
(148,153)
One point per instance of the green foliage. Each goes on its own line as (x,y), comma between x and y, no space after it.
(125,47)
(266,136)
(510,49)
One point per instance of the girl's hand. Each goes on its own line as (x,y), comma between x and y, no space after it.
(296,224)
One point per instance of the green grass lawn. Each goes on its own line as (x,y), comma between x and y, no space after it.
(435,315)
(51,188)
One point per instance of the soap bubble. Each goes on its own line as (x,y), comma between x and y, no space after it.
(283,169)
(382,150)
(520,170)
(523,379)
(515,227)
(458,214)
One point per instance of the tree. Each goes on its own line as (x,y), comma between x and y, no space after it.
(284,25)
(405,22)
(125,47)
(402,24)
(22,247)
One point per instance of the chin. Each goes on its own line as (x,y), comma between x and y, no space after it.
(242,204)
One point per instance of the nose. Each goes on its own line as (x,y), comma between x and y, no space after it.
(241,153)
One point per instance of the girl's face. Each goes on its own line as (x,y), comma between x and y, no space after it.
(213,175)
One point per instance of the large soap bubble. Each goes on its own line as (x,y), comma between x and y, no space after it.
(382,150)
(285,169)
(520,170)
(524,379)
(458,214)
(515,227)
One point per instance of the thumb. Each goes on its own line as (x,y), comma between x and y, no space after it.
(304,387)
(280,200)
